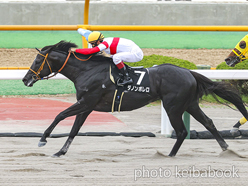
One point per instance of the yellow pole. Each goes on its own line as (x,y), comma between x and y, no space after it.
(163,28)
(14,68)
(86,12)
(124,27)
(86,21)
(38,27)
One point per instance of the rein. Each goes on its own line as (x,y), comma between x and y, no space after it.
(46,61)
(79,58)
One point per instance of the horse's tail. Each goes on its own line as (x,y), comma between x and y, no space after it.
(224,90)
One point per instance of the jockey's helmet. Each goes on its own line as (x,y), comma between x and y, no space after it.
(94,37)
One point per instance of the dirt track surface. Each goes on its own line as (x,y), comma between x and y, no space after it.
(119,160)
(212,57)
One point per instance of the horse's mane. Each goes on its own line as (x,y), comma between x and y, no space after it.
(63,46)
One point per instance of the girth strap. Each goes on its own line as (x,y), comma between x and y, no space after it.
(117,99)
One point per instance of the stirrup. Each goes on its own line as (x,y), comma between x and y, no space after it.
(119,81)
(128,82)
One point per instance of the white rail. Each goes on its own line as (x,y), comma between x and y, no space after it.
(224,74)
(212,74)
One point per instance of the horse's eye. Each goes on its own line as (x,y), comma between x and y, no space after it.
(242,44)
(37,61)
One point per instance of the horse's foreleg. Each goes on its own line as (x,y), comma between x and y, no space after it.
(80,118)
(71,111)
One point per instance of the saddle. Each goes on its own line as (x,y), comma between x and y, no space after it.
(141,83)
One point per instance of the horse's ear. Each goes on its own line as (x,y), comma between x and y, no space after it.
(50,49)
(37,49)
(47,50)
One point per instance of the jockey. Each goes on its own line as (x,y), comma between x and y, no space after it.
(120,50)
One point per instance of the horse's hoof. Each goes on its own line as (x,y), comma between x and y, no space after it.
(234,130)
(224,148)
(57,155)
(42,143)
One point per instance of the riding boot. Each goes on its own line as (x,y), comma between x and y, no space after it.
(127,80)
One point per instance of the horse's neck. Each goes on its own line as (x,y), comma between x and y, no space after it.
(75,68)
(70,72)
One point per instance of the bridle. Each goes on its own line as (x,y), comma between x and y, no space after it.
(42,66)
(241,56)
(37,77)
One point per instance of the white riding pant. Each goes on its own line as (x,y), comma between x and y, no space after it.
(135,55)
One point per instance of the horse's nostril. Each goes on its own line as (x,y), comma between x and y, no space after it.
(24,80)
(227,60)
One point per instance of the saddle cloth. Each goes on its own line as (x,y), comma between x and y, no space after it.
(140,84)
(139,75)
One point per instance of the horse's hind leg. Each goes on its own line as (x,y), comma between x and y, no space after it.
(175,106)
(200,116)
(181,132)
(175,115)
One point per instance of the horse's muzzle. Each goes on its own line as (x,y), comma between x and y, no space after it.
(29,82)
(232,61)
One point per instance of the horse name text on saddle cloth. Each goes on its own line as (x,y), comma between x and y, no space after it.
(141,82)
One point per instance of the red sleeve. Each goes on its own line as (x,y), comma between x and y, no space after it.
(87,51)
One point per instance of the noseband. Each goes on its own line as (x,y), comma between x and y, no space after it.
(241,56)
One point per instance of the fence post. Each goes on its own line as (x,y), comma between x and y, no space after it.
(186,120)
(86,20)
(166,128)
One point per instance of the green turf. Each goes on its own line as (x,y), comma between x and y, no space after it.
(16,87)
(187,40)
(145,39)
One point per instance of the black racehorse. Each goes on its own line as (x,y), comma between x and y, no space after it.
(178,88)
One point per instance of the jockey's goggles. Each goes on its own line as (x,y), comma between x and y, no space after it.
(94,43)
